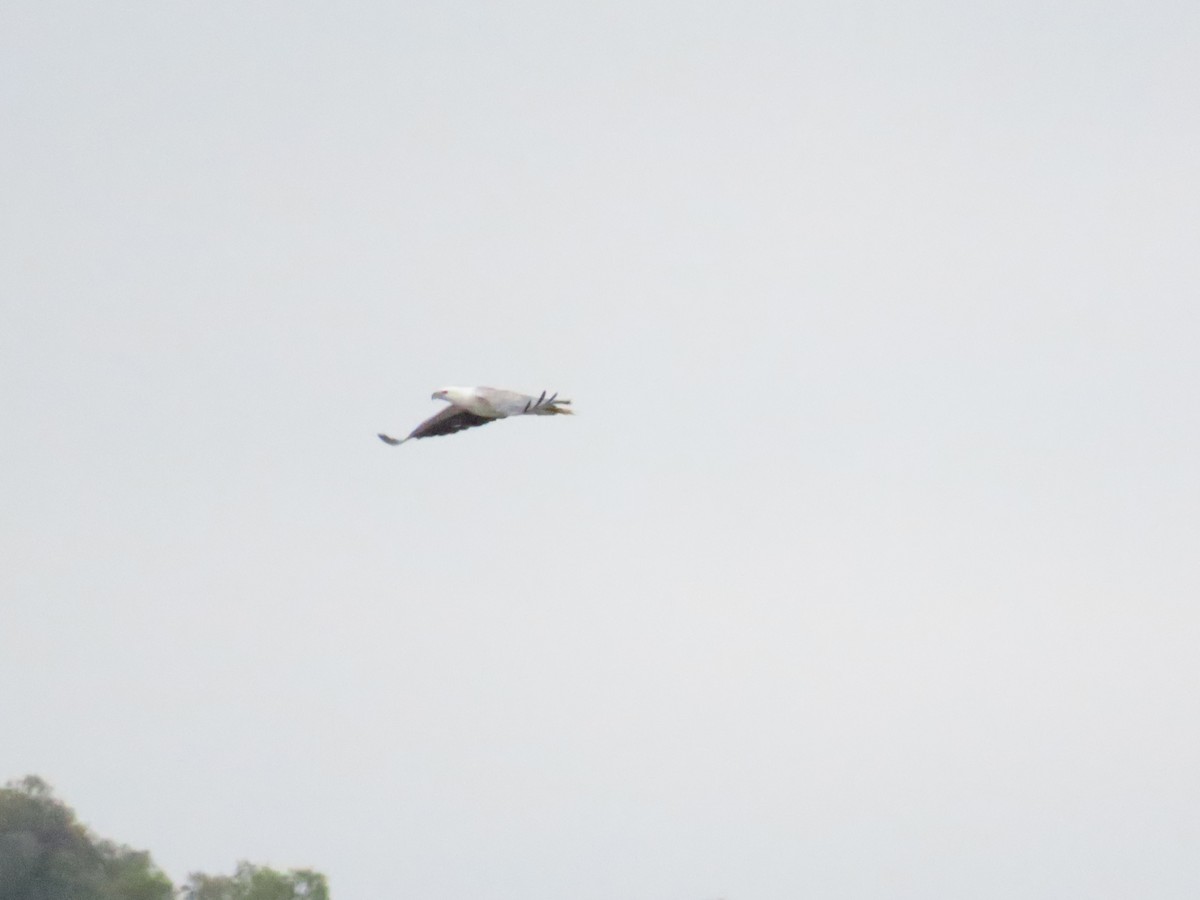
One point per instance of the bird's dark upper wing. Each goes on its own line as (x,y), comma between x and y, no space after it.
(448,421)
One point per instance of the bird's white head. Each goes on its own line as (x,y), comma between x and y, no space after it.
(456,395)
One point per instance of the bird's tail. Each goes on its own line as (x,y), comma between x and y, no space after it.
(548,407)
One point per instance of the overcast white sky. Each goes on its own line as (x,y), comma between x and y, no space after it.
(867,568)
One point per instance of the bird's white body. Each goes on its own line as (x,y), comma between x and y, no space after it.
(492,403)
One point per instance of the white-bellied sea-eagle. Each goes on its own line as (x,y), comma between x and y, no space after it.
(471,406)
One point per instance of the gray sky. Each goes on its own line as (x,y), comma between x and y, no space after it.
(867,568)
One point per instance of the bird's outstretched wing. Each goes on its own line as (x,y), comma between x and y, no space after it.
(448,421)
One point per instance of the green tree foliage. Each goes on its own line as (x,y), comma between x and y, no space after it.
(46,854)
(257,883)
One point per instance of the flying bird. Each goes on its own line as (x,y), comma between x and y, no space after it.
(471,406)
